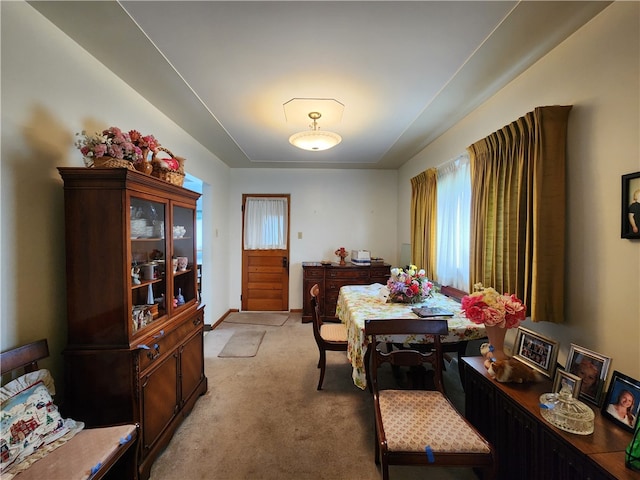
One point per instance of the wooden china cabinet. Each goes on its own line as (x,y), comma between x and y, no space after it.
(135,324)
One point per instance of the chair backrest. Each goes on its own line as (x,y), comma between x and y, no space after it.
(407,357)
(453,292)
(26,357)
(315,311)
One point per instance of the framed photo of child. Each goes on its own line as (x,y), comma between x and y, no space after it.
(622,403)
(592,368)
(630,206)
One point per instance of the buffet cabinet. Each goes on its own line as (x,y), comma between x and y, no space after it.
(330,277)
(530,448)
(134,349)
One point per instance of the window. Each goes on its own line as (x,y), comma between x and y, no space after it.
(265,223)
(453,222)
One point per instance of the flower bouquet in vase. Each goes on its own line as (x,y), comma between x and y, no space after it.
(497,312)
(409,285)
(148,146)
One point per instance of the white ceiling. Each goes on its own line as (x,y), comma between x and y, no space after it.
(404,71)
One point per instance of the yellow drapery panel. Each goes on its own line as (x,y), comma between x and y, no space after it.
(423,221)
(518,211)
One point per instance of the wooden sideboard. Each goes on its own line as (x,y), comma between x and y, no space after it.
(527,446)
(330,277)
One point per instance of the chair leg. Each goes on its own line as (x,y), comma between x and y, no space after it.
(322,365)
(462,351)
(385,468)
(376,446)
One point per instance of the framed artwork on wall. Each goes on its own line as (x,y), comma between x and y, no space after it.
(630,225)
(592,368)
(622,403)
(539,352)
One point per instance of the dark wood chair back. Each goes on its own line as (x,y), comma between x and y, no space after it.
(26,357)
(336,341)
(453,292)
(407,357)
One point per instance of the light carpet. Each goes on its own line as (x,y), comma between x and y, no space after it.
(274,319)
(243,344)
(263,419)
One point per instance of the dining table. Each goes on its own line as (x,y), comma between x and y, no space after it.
(358,303)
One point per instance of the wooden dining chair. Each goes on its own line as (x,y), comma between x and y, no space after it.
(421,427)
(329,336)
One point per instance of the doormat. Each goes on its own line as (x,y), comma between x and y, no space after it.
(273,319)
(243,344)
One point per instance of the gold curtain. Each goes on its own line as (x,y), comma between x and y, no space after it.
(518,211)
(423,221)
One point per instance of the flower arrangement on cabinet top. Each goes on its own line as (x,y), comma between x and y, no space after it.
(147,143)
(114,143)
(409,285)
(486,305)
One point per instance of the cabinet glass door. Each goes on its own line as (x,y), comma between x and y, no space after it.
(148,256)
(184,256)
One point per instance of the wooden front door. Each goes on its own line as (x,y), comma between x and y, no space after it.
(265,271)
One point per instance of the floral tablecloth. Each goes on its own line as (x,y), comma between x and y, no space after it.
(356,303)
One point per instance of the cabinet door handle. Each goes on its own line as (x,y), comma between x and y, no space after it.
(155,353)
(160,334)
(197,321)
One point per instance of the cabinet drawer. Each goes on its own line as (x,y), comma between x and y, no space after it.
(153,347)
(331,290)
(330,309)
(380,272)
(354,273)
(313,273)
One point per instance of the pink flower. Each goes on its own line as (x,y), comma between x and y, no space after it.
(100,150)
(487,306)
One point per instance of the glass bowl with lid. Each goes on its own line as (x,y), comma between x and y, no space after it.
(567,413)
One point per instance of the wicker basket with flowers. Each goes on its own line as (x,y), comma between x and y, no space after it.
(111,148)
(170,169)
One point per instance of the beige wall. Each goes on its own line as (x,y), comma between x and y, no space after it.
(354,209)
(597,71)
(51,89)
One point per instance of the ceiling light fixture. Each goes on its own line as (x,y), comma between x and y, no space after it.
(315,139)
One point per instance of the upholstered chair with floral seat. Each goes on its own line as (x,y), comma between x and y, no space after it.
(329,336)
(421,427)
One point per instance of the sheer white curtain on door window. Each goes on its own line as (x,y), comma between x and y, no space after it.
(265,223)
(454,206)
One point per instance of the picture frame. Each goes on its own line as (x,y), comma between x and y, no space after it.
(566,378)
(630,208)
(622,388)
(592,368)
(536,351)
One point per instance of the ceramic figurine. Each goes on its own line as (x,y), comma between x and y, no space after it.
(180,298)
(135,275)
